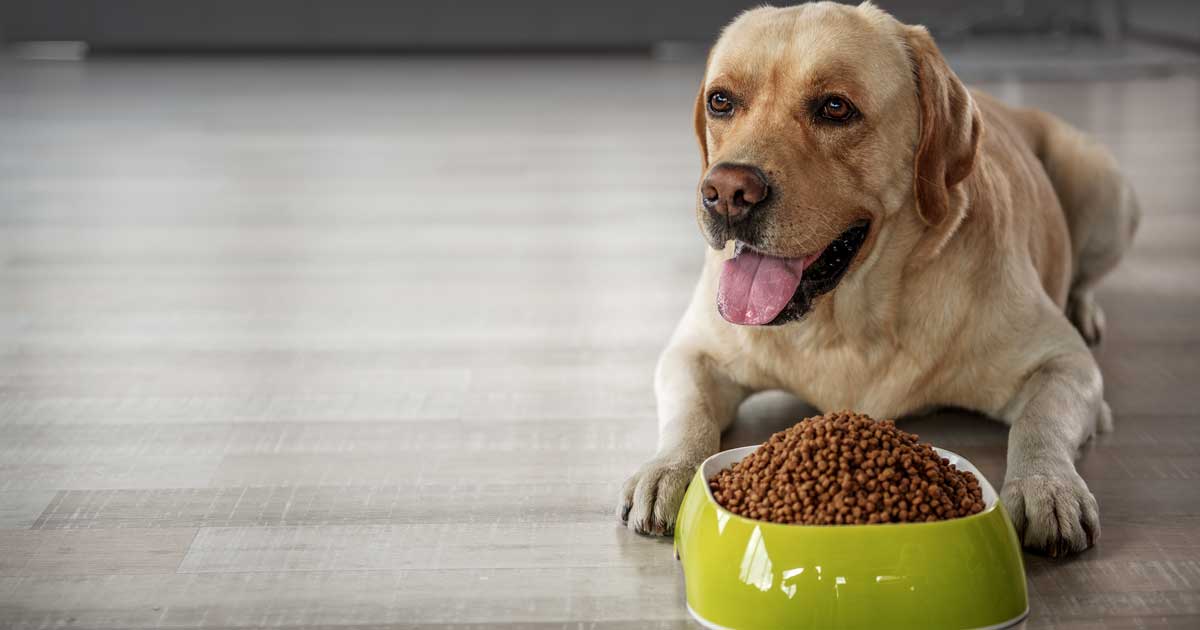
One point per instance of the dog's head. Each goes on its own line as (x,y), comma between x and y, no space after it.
(818,124)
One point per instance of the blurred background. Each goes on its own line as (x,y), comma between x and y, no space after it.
(345,313)
(546,26)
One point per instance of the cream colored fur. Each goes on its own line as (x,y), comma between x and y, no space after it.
(961,305)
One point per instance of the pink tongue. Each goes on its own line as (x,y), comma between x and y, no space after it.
(755,287)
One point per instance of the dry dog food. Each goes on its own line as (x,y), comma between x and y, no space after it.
(846,469)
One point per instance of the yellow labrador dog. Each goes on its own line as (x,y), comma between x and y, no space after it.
(885,240)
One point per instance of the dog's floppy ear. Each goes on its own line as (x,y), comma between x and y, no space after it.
(949,136)
(701,121)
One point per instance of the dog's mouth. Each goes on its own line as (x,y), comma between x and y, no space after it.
(758,289)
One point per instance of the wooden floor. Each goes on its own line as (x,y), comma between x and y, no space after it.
(369,342)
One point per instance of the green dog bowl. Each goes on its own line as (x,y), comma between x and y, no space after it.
(747,574)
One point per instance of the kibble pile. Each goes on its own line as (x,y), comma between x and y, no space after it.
(846,469)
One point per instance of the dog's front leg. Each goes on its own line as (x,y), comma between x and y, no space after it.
(1059,408)
(696,401)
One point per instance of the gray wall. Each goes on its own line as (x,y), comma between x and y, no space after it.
(491,24)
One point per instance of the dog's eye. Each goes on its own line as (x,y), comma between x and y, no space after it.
(719,103)
(837,109)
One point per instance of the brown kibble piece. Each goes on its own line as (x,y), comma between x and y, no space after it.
(846,468)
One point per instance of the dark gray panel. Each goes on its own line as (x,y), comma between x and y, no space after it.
(25,20)
(1167,21)
(211,23)
(450,24)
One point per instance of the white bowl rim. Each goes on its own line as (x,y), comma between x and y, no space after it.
(997,626)
(725,459)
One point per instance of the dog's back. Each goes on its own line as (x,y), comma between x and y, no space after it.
(1097,203)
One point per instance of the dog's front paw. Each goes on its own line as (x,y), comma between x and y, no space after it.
(651,497)
(1055,515)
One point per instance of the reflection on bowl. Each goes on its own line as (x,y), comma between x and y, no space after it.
(744,573)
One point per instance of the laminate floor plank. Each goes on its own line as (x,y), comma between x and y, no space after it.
(269,599)
(474,501)
(20,509)
(93,552)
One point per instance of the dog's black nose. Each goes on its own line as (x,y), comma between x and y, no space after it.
(732,190)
